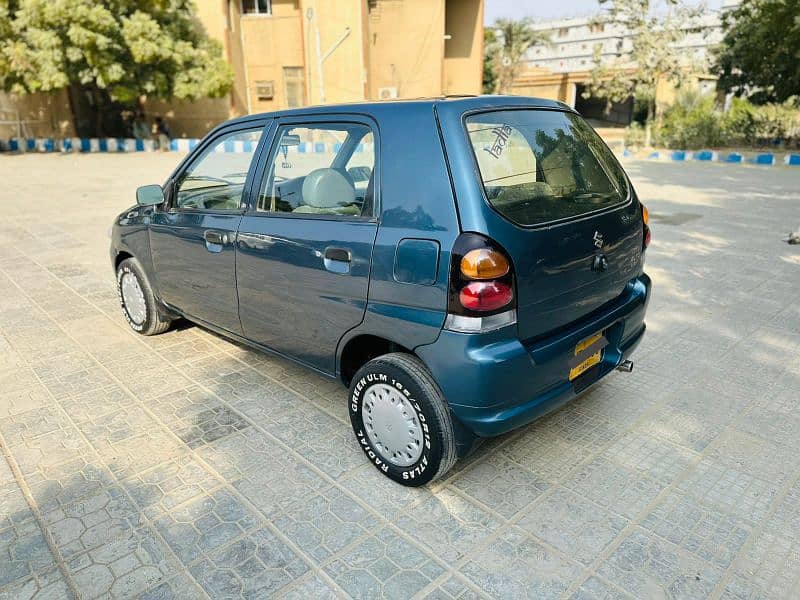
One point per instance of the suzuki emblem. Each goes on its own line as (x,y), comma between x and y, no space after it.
(598,239)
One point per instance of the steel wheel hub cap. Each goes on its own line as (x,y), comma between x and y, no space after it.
(392,425)
(133,298)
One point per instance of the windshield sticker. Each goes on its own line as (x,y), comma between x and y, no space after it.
(502,133)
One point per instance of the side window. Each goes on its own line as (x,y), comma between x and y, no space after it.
(321,169)
(216,180)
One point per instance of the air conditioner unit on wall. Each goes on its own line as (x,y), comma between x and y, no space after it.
(387,93)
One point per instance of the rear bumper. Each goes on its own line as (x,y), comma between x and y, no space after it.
(494,383)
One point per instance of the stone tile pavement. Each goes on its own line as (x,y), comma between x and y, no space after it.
(185,466)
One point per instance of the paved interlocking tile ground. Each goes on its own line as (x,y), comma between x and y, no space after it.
(186,466)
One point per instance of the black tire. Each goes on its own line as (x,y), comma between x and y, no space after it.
(407,374)
(153,322)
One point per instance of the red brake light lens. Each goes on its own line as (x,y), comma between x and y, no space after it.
(482,296)
(481,278)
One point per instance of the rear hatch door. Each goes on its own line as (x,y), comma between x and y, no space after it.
(556,199)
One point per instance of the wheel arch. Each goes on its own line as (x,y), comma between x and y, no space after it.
(362,348)
(120,256)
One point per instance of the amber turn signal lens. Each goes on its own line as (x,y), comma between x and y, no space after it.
(483,263)
(645,215)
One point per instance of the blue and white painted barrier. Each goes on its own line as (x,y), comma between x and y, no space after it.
(760,158)
(733,157)
(764,158)
(84,145)
(705,155)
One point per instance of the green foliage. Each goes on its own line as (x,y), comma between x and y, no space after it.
(635,135)
(489,50)
(506,43)
(653,55)
(760,53)
(695,121)
(691,123)
(126,48)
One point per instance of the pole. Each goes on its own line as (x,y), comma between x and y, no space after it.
(319,60)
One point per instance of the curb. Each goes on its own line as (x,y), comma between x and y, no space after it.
(756,158)
(114,145)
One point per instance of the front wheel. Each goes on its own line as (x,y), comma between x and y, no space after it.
(401,419)
(137,299)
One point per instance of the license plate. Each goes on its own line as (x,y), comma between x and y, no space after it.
(590,360)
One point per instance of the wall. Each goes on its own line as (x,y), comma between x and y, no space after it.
(406,47)
(189,119)
(463,52)
(45,115)
(543,84)
(343,71)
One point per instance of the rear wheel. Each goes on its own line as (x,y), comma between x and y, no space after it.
(137,299)
(401,419)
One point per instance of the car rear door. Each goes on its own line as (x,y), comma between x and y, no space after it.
(192,241)
(304,246)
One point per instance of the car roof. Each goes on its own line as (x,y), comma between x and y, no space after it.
(452,103)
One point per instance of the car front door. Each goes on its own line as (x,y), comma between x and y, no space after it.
(193,240)
(305,245)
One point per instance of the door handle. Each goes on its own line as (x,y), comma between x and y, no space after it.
(215,237)
(337,254)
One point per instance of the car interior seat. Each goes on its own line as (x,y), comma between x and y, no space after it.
(326,191)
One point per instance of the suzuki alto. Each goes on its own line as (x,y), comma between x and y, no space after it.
(464,266)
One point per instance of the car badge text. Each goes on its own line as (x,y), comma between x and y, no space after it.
(598,239)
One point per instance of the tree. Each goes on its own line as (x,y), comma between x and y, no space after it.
(653,56)
(760,53)
(506,46)
(112,52)
(489,50)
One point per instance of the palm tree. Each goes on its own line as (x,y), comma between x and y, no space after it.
(507,45)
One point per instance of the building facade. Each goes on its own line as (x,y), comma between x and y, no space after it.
(291,53)
(561,70)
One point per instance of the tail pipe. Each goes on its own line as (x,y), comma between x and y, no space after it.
(626,366)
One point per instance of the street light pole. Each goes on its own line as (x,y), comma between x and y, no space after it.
(320,57)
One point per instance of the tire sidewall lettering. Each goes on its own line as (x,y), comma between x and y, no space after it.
(358,390)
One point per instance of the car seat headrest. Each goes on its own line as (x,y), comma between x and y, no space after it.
(327,188)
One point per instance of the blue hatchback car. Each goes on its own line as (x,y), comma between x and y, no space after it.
(463,265)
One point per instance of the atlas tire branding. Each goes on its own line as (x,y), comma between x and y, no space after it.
(362,385)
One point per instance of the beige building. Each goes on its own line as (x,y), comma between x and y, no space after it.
(291,53)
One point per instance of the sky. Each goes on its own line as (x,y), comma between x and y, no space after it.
(548,9)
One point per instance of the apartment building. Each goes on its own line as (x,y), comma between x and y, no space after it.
(561,70)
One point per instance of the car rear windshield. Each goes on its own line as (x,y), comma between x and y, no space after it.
(539,166)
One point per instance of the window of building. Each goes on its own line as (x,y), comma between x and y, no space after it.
(563,32)
(294,83)
(597,27)
(265,90)
(257,7)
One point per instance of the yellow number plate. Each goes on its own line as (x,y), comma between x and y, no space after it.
(590,361)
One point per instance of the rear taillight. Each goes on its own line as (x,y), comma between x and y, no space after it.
(485,296)
(645,224)
(482,292)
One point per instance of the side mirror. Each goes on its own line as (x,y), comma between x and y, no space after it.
(149,195)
